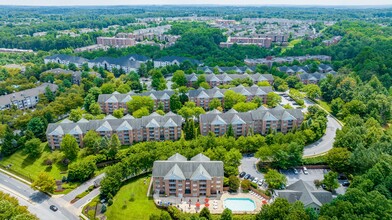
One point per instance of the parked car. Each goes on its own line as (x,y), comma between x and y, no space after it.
(295,171)
(247,176)
(251,178)
(260,182)
(324,186)
(342,177)
(305,171)
(242,174)
(346,183)
(53,208)
(255,180)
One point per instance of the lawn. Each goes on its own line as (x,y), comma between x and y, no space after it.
(324,105)
(140,207)
(29,167)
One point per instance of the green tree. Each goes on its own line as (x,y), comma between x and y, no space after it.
(44,183)
(336,105)
(81,170)
(9,144)
(189,129)
(205,213)
(95,108)
(141,112)
(230,131)
(70,147)
(139,102)
(114,146)
(244,107)
(108,88)
(49,94)
(118,113)
(226,214)
(245,184)
(274,179)
(215,103)
(273,99)
(338,159)
(175,103)
(123,88)
(234,183)
(232,98)
(282,209)
(38,126)
(91,141)
(33,147)
(312,91)
(76,114)
(331,180)
(179,78)
(205,85)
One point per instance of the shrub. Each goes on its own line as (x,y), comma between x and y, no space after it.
(110,202)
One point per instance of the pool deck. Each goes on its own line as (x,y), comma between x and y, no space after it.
(183,204)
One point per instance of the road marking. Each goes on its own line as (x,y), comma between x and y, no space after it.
(14,193)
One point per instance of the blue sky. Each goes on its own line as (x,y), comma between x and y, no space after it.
(179,2)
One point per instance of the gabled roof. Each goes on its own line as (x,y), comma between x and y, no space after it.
(152,124)
(128,116)
(232,111)
(218,121)
(175,173)
(66,121)
(170,123)
(125,126)
(200,157)
(82,120)
(76,130)
(237,120)
(269,117)
(112,99)
(57,131)
(200,174)
(177,157)
(105,127)
(109,117)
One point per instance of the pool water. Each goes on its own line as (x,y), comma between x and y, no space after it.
(240,204)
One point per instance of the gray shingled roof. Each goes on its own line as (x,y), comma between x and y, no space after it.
(19,96)
(219,93)
(71,59)
(114,98)
(306,193)
(178,168)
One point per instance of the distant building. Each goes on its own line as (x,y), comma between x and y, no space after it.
(180,177)
(116,42)
(25,99)
(259,121)
(332,41)
(129,129)
(313,78)
(291,70)
(310,196)
(76,75)
(225,79)
(173,60)
(7,50)
(92,48)
(271,60)
(202,97)
(127,63)
(260,42)
(65,60)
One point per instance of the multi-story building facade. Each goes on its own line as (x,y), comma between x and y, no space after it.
(116,41)
(182,178)
(111,102)
(25,99)
(128,63)
(291,70)
(259,121)
(173,60)
(202,97)
(129,129)
(65,60)
(259,41)
(271,60)
(313,78)
(224,79)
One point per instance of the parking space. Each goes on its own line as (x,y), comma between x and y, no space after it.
(248,165)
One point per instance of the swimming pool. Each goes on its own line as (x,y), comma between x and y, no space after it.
(240,204)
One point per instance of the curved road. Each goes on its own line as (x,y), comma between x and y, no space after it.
(326,142)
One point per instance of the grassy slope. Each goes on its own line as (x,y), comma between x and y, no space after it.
(140,208)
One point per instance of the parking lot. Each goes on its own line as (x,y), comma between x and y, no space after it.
(287,100)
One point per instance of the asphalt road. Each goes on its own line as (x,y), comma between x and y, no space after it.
(37,202)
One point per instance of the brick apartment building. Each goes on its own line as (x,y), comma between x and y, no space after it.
(258,41)
(224,79)
(258,121)
(180,177)
(129,129)
(116,42)
(111,102)
(271,60)
(202,97)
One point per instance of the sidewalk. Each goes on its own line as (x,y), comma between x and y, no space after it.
(15,176)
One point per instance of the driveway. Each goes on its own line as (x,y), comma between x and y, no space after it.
(248,165)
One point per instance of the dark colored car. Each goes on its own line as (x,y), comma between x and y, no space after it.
(346,183)
(251,178)
(242,174)
(53,208)
(247,176)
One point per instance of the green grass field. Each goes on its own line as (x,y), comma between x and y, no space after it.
(139,208)
(29,167)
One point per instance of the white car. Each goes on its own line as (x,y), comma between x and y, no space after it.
(260,182)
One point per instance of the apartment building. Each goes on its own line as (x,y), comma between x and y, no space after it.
(65,60)
(129,129)
(76,76)
(271,60)
(224,79)
(231,69)
(259,121)
(313,78)
(180,177)
(111,102)
(25,99)
(291,70)
(116,41)
(202,97)
(128,63)
(173,60)
(259,41)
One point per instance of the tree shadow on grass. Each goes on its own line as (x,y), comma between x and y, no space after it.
(29,160)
